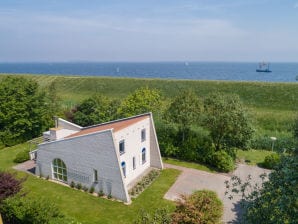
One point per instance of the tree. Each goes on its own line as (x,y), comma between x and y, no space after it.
(22,110)
(275,200)
(95,110)
(227,121)
(184,111)
(9,185)
(53,100)
(199,208)
(143,100)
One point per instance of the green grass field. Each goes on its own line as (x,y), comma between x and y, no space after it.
(87,208)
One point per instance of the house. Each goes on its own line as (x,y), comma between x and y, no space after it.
(109,157)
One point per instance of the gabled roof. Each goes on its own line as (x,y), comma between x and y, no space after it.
(116,125)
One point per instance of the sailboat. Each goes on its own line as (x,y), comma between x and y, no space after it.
(263,67)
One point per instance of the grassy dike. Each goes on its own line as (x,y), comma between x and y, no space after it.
(273,105)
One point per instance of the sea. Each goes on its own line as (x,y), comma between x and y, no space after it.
(230,71)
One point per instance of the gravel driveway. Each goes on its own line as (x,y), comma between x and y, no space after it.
(192,179)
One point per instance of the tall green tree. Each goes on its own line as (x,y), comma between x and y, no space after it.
(140,101)
(22,110)
(94,110)
(275,200)
(227,121)
(184,111)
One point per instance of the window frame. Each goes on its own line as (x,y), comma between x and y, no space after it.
(134,163)
(122,142)
(143,135)
(123,168)
(144,160)
(59,170)
(95,176)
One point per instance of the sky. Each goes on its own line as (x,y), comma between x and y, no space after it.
(151,30)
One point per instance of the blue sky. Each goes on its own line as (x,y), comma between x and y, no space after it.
(152,30)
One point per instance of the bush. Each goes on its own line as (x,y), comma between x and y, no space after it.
(85,188)
(109,196)
(9,185)
(100,193)
(91,190)
(222,161)
(22,210)
(271,161)
(79,186)
(201,207)
(72,184)
(22,156)
(160,216)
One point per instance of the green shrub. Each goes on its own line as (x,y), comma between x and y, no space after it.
(17,210)
(72,184)
(271,161)
(22,156)
(201,207)
(109,196)
(91,190)
(79,186)
(222,161)
(85,188)
(100,193)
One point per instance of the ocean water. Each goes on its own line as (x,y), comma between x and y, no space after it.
(281,72)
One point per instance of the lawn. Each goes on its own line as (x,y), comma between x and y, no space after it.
(253,157)
(87,208)
(189,164)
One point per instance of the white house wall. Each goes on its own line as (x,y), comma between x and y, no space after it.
(81,156)
(133,148)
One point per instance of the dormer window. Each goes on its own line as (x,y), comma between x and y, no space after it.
(121,147)
(143,135)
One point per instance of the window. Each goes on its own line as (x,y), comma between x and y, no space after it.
(143,155)
(59,170)
(121,147)
(95,176)
(123,166)
(143,135)
(134,163)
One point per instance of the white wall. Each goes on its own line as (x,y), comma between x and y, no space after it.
(133,148)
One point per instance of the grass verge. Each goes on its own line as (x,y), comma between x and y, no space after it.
(189,165)
(253,157)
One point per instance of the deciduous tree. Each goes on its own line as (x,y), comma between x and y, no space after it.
(227,121)
(275,200)
(184,111)
(143,100)
(22,110)
(94,110)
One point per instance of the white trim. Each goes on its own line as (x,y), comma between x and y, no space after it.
(70,123)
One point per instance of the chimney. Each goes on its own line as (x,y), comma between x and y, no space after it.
(56,121)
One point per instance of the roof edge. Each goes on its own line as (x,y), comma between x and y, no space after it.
(74,137)
(70,123)
(118,120)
